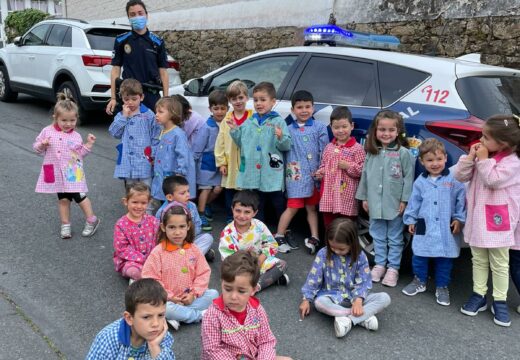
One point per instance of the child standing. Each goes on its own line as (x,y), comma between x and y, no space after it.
(385,186)
(135,233)
(62,172)
(180,267)
(340,169)
(191,120)
(142,333)
(339,282)
(435,214)
(208,176)
(246,233)
(308,140)
(493,197)
(236,325)
(227,153)
(135,125)
(172,154)
(261,140)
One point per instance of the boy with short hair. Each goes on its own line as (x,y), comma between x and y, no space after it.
(435,213)
(135,125)
(208,176)
(142,333)
(308,140)
(227,153)
(177,188)
(236,325)
(261,140)
(246,233)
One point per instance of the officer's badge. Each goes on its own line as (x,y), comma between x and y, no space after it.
(128,48)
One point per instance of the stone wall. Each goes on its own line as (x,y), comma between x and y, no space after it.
(496,38)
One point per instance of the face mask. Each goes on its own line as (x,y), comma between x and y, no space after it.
(138,22)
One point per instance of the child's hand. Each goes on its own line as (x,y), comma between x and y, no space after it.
(223,170)
(231,123)
(473,151)
(46,142)
(411,228)
(278,132)
(126,111)
(402,206)
(365,205)
(455,226)
(357,307)
(482,152)
(318,175)
(343,164)
(91,139)
(176,300)
(188,298)
(154,345)
(305,308)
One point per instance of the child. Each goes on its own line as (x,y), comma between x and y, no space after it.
(227,153)
(177,189)
(435,214)
(192,121)
(340,169)
(261,140)
(208,177)
(236,325)
(62,171)
(339,282)
(308,140)
(385,186)
(136,127)
(172,154)
(180,267)
(246,233)
(142,333)
(134,233)
(493,198)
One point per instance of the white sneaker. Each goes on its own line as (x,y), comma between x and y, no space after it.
(174,324)
(370,324)
(66,232)
(342,326)
(90,229)
(130,281)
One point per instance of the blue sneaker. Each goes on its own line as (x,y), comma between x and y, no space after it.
(474,305)
(205,225)
(208,212)
(501,312)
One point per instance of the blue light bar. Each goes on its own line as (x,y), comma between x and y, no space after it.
(335,36)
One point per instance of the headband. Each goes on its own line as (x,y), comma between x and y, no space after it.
(176,203)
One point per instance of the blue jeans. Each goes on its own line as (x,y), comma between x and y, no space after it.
(442,269)
(388,241)
(514,267)
(229,194)
(278,200)
(193,312)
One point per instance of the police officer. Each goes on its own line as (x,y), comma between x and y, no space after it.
(142,55)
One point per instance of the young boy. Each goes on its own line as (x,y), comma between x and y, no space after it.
(246,233)
(208,176)
(308,139)
(435,213)
(227,153)
(177,188)
(135,125)
(236,325)
(142,333)
(261,141)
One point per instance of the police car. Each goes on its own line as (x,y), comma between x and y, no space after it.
(444,98)
(64,55)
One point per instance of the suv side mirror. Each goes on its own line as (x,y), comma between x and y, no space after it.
(193,87)
(17,41)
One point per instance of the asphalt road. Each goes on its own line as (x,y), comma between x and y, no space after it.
(55,295)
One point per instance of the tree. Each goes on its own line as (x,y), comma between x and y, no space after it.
(18,22)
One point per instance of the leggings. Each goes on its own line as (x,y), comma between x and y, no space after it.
(272,275)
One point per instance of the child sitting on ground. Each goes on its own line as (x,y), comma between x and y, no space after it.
(142,333)
(236,325)
(246,233)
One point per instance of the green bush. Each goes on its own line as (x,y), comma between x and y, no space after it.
(18,22)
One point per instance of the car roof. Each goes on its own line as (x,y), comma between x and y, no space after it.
(86,25)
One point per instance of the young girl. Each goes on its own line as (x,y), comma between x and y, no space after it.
(385,186)
(493,199)
(134,233)
(339,282)
(172,154)
(180,267)
(62,171)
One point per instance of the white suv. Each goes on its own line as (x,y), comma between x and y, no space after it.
(64,55)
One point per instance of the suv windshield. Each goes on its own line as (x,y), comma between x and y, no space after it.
(103,39)
(485,96)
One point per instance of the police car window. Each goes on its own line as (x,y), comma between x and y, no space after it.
(488,95)
(272,69)
(56,35)
(36,36)
(103,39)
(339,81)
(396,81)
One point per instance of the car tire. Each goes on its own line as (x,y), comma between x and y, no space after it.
(69,89)
(6,93)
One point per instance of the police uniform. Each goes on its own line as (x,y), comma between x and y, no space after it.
(141,56)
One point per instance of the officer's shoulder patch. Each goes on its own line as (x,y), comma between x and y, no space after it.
(156,39)
(123,36)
